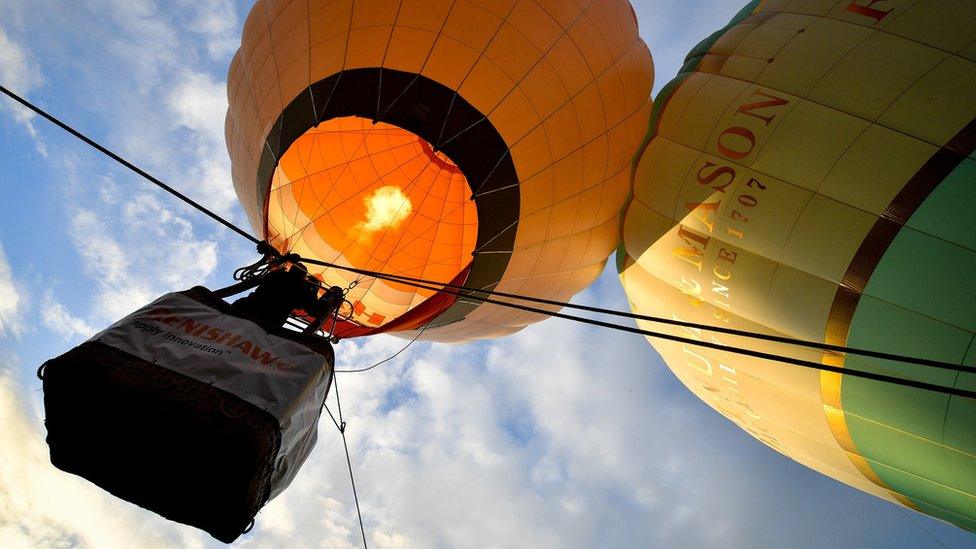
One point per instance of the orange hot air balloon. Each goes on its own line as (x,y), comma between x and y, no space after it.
(477,142)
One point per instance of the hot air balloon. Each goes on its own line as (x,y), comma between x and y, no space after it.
(483,143)
(810,174)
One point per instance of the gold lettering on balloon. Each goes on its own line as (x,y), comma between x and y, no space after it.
(721,295)
(692,289)
(697,361)
(730,373)
(702,211)
(695,251)
(754,183)
(708,369)
(738,142)
(726,396)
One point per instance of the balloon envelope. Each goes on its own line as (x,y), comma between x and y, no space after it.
(810,173)
(483,143)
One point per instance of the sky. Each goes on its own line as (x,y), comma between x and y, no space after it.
(559,436)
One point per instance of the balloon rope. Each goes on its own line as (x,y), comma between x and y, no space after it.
(341,426)
(391,357)
(478,295)
(707,344)
(922,528)
(54,120)
(471,293)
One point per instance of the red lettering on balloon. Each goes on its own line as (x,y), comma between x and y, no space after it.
(773,101)
(728,151)
(858,7)
(709,178)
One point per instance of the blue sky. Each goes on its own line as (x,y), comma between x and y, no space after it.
(560,436)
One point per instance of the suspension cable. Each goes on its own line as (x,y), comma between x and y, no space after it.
(470,293)
(139,171)
(920,527)
(718,346)
(341,426)
(391,357)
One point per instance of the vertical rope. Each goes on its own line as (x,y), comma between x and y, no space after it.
(920,527)
(341,426)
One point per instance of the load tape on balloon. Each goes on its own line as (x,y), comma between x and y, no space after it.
(189,409)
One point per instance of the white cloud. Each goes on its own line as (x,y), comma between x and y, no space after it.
(59,320)
(133,244)
(532,440)
(18,70)
(133,250)
(162,66)
(43,507)
(138,34)
(215,21)
(148,78)
(199,103)
(184,142)
(19,73)
(11,300)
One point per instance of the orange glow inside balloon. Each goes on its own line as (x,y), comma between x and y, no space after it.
(374,197)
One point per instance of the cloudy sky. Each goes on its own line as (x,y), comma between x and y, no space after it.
(561,436)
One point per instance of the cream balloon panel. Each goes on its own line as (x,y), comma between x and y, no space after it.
(815,222)
(776,404)
(915,88)
(783,406)
(712,113)
(841,149)
(943,24)
(774,250)
(657,289)
(720,272)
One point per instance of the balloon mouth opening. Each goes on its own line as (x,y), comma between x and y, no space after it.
(377,197)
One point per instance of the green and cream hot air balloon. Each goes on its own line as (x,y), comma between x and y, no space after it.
(810,173)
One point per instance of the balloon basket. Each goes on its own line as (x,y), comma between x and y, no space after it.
(188,410)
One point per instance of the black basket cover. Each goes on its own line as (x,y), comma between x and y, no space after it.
(188,410)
